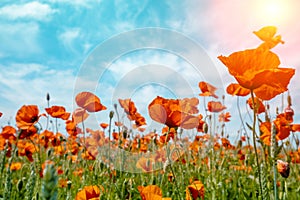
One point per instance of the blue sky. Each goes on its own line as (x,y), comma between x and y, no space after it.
(58,46)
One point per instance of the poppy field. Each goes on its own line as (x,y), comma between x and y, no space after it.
(190,157)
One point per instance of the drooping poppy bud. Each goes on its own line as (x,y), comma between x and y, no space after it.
(283,168)
(289,113)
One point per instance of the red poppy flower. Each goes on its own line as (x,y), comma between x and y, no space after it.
(224,117)
(104,125)
(27,116)
(72,129)
(257,70)
(267,34)
(173,113)
(283,128)
(89,102)
(236,90)
(8,132)
(26,149)
(91,192)
(79,115)
(215,106)
(151,192)
(195,190)
(15,166)
(58,112)
(259,106)
(131,112)
(145,164)
(207,89)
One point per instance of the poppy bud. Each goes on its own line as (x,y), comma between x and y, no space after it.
(49,152)
(20,185)
(111,114)
(297,142)
(48,97)
(289,113)
(205,128)
(283,168)
(69,184)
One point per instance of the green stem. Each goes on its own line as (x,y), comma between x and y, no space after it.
(273,155)
(254,142)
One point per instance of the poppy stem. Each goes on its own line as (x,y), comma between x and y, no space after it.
(273,155)
(111,115)
(241,118)
(254,144)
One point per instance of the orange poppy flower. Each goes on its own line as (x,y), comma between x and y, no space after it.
(151,192)
(26,149)
(235,89)
(224,117)
(58,112)
(267,34)
(172,113)
(131,112)
(207,89)
(139,120)
(104,125)
(202,124)
(72,129)
(63,183)
(128,106)
(91,192)
(29,132)
(15,166)
(89,102)
(8,132)
(257,70)
(195,190)
(226,144)
(215,106)
(189,105)
(146,164)
(283,168)
(295,127)
(45,137)
(118,123)
(265,129)
(27,116)
(259,106)
(79,115)
(283,128)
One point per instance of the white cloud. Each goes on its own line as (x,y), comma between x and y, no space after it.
(68,38)
(28,83)
(32,10)
(83,3)
(19,39)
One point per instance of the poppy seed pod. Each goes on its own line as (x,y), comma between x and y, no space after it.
(289,113)
(283,168)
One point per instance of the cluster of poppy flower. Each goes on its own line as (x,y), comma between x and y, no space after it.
(257,72)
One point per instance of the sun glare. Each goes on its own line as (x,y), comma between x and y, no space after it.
(273,11)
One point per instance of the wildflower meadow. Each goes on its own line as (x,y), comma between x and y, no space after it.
(52,154)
